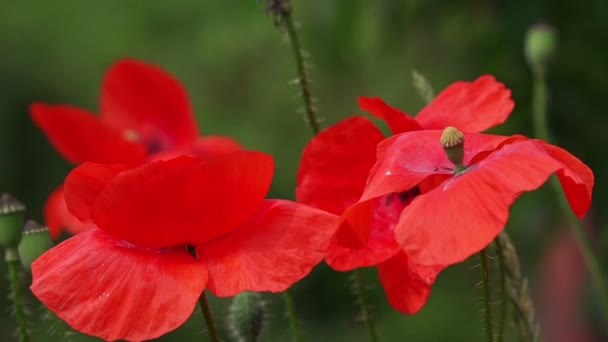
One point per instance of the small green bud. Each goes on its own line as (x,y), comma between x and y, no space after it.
(540,46)
(12,217)
(35,241)
(247,316)
(423,87)
(452,141)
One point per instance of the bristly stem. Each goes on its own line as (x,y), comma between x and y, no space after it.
(283,16)
(542,132)
(366,314)
(293,319)
(202,300)
(12,261)
(502,316)
(485,281)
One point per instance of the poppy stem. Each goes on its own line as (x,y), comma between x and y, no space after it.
(12,261)
(503,290)
(293,319)
(539,97)
(282,10)
(360,289)
(485,281)
(202,300)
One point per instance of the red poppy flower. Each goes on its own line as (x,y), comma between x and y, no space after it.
(144,114)
(131,276)
(336,163)
(458,213)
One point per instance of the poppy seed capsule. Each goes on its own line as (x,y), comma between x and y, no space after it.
(452,141)
(35,241)
(12,217)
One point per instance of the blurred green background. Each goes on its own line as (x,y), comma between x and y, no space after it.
(236,66)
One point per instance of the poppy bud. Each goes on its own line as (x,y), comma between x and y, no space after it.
(247,315)
(35,241)
(12,216)
(540,46)
(452,141)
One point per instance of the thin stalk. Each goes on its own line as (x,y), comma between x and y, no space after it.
(365,310)
(202,300)
(542,132)
(12,261)
(485,281)
(293,319)
(502,316)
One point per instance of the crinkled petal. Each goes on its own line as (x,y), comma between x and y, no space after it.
(278,246)
(335,164)
(57,216)
(105,288)
(141,97)
(466,212)
(397,120)
(407,285)
(469,106)
(183,201)
(576,178)
(80,136)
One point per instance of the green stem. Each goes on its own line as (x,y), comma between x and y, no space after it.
(485,281)
(293,319)
(202,300)
(503,290)
(287,20)
(542,132)
(12,261)
(365,310)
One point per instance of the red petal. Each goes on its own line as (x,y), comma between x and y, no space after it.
(84,184)
(576,178)
(335,164)
(143,97)
(106,289)
(80,137)
(470,107)
(407,285)
(466,212)
(397,120)
(57,216)
(214,145)
(277,247)
(183,200)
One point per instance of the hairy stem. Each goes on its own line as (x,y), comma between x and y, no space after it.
(293,319)
(361,293)
(485,281)
(502,316)
(16,296)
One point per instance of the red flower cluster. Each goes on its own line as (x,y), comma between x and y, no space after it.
(404,208)
(145,114)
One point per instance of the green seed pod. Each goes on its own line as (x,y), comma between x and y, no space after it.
(540,46)
(35,241)
(12,217)
(247,316)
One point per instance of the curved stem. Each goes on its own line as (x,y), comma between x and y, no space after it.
(503,290)
(12,261)
(485,281)
(365,310)
(542,132)
(202,300)
(293,319)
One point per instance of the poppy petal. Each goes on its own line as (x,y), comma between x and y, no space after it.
(213,145)
(466,212)
(576,178)
(57,216)
(335,164)
(84,183)
(278,246)
(397,120)
(142,97)
(183,201)
(80,137)
(469,106)
(102,287)
(407,285)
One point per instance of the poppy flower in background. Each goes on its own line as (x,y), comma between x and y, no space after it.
(336,163)
(131,277)
(144,114)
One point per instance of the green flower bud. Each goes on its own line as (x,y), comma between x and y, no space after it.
(540,46)
(12,217)
(247,316)
(35,241)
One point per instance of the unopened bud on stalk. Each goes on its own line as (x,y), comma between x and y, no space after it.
(247,316)
(452,141)
(540,47)
(12,217)
(35,241)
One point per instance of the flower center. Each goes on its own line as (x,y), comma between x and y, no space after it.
(452,141)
